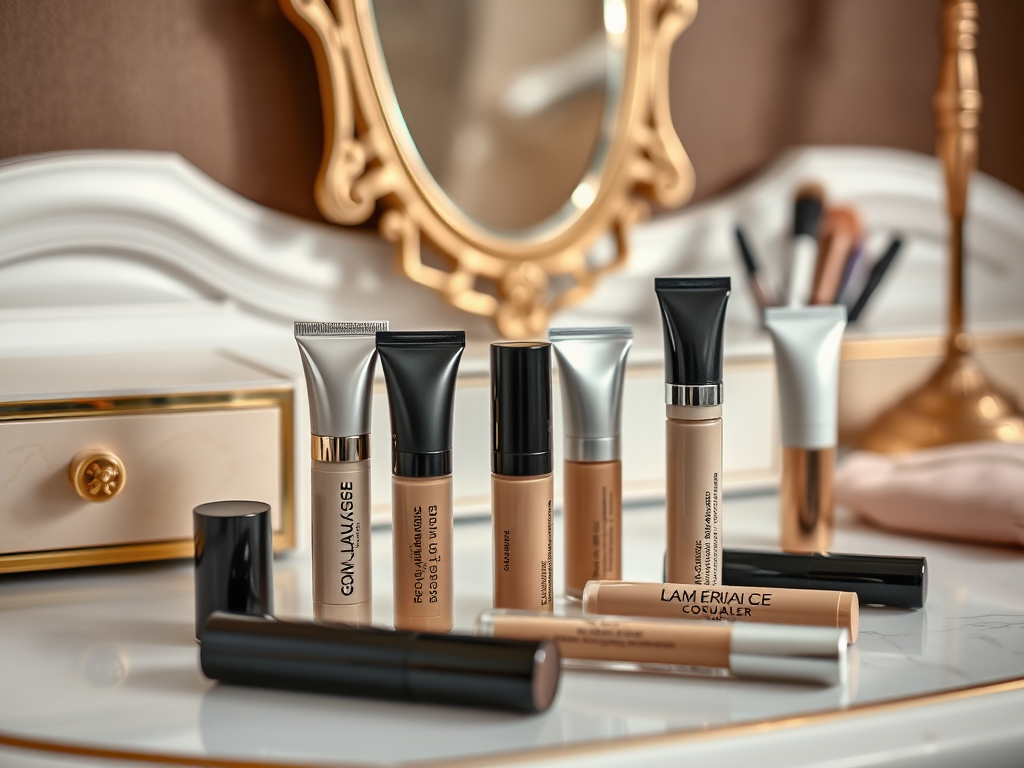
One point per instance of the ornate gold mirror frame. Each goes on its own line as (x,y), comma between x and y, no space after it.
(368,157)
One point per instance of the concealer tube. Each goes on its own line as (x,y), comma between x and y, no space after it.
(591,368)
(693,316)
(787,653)
(522,485)
(807,341)
(805,607)
(338,360)
(420,370)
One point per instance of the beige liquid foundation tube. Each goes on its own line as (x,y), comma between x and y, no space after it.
(807,343)
(522,485)
(420,369)
(807,607)
(693,316)
(591,368)
(766,651)
(339,360)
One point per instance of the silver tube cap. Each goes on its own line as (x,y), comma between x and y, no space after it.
(339,360)
(591,368)
(790,653)
(700,395)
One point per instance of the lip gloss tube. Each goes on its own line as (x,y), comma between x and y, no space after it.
(693,316)
(338,360)
(522,484)
(591,368)
(808,342)
(766,651)
(420,370)
(807,607)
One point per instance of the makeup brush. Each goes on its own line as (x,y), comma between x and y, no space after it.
(877,273)
(840,233)
(762,293)
(803,256)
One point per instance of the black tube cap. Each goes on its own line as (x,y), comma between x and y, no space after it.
(521,442)
(877,579)
(420,369)
(494,673)
(693,317)
(234,559)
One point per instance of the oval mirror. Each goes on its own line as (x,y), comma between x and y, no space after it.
(505,135)
(509,104)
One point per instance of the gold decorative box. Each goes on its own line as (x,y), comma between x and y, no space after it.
(103,457)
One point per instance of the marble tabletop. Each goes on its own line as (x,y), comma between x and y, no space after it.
(104,659)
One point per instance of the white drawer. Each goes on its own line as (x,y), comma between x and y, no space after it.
(172,462)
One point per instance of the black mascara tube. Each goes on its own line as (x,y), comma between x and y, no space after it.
(461,670)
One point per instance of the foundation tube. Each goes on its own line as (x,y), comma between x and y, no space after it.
(591,367)
(806,607)
(693,316)
(339,360)
(807,345)
(380,664)
(766,651)
(522,487)
(420,369)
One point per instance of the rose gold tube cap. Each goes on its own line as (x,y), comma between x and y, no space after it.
(848,614)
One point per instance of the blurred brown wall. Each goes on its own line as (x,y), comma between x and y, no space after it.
(230,84)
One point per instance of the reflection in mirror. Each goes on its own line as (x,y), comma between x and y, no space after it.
(509,103)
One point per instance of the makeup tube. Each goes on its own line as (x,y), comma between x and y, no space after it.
(591,367)
(807,607)
(381,664)
(807,346)
(693,316)
(522,487)
(338,360)
(420,369)
(766,651)
(877,579)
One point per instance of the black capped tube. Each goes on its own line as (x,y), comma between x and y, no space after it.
(693,313)
(877,579)
(521,440)
(420,369)
(516,675)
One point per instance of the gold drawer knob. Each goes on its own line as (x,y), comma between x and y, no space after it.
(97,475)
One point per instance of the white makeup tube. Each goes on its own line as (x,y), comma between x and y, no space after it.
(807,343)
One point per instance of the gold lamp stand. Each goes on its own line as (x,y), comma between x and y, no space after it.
(957,404)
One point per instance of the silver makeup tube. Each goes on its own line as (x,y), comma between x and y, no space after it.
(591,368)
(339,361)
(808,342)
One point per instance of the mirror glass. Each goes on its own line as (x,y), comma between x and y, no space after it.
(510,104)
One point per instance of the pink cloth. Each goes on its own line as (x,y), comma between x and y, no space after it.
(968,491)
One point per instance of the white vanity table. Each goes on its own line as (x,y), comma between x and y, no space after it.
(105,660)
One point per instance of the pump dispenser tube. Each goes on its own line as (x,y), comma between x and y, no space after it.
(522,486)
(420,369)
(807,346)
(591,367)
(693,316)
(339,360)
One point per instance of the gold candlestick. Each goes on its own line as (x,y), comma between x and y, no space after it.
(958,403)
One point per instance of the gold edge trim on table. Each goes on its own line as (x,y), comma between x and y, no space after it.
(366,160)
(672,738)
(280,398)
